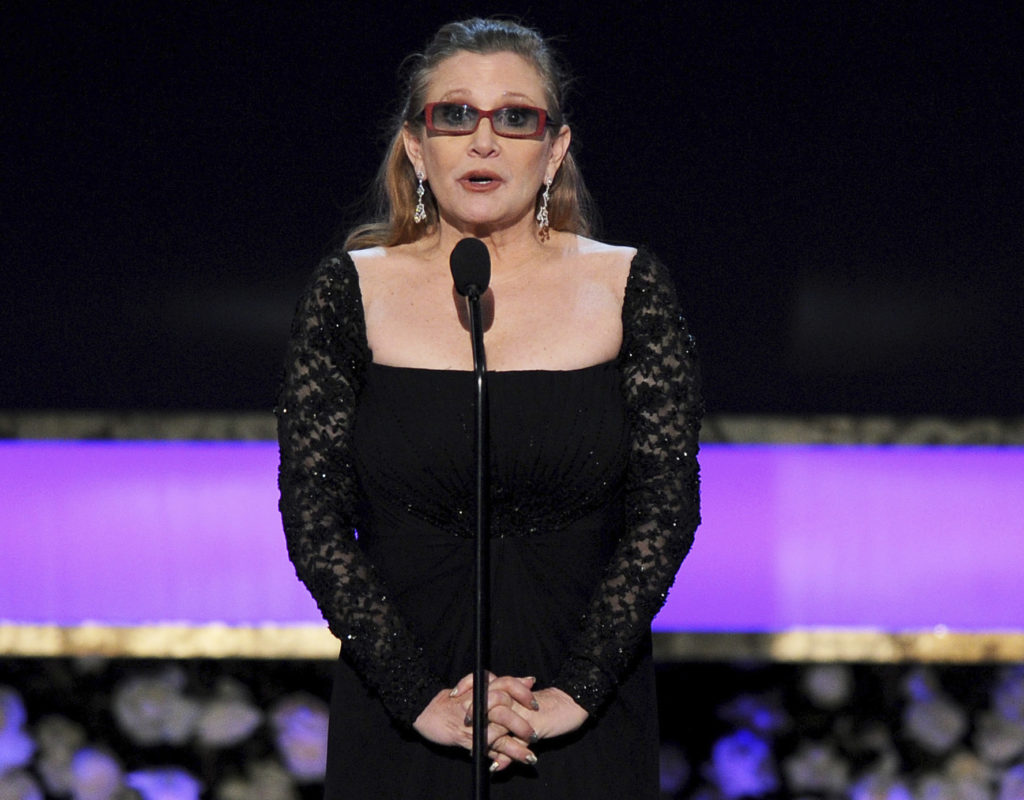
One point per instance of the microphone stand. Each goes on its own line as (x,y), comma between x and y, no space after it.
(481,767)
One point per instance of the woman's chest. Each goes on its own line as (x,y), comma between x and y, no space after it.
(548,327)
(559,442)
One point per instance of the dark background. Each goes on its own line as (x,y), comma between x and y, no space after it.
(837,187)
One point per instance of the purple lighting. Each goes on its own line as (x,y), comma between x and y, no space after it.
(893,538)
(137,532)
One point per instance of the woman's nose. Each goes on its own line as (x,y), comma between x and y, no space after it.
(484,140)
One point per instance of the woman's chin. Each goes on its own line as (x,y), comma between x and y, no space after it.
(486,222)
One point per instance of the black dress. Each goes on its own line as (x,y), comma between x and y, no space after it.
(594,505)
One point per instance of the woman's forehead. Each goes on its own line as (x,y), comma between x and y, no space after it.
(486,75)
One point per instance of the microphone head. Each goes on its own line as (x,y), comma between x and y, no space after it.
(471,267)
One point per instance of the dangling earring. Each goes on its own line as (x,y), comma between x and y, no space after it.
(542,213)
(420,213)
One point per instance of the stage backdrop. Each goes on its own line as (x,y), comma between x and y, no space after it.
(836,188)
(889,538)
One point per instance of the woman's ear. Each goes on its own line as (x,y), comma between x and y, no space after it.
(559,147)
(413,148)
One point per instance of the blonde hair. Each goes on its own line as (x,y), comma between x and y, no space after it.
(570,207)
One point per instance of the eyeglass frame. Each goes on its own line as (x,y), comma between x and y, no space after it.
(544,120)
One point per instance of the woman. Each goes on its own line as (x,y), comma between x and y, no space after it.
(595,413)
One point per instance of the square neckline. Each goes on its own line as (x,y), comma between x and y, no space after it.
(608,363)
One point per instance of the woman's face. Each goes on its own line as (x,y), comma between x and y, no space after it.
(484,182)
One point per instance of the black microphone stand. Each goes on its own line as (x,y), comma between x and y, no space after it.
(481,767)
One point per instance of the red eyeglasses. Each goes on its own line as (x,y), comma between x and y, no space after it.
(462,119)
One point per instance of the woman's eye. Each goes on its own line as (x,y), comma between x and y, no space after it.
(515,117)
(455,115)
(519,118)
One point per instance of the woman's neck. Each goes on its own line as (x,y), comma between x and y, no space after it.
(510,248)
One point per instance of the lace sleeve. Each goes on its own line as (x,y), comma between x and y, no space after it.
(662,504)
(326,359)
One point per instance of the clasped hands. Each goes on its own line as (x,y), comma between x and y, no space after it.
(517,718)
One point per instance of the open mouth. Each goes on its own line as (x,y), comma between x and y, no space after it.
(481,178)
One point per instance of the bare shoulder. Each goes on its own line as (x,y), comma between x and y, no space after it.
(370,259)
(400,256)
(381,269)
(599,262)
(610,254)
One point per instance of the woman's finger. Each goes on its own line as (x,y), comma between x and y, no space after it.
(519,689)
(495,699)
(513,748)
(510,692)
(512,722)
(463,686)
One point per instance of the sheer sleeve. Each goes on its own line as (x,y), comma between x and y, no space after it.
(662,503)
(326,360)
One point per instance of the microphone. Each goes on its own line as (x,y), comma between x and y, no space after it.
(471,267)
(471,270)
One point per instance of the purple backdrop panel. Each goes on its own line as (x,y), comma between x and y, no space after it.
(893,538)
(135,532)
(888,537)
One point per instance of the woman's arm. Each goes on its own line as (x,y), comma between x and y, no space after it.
(662,502)
(327,357)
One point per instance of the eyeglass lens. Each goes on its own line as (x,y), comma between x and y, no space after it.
(507,121)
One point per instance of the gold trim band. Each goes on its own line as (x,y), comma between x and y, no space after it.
(806,645)
(169,641)
(811,645)
(732,428)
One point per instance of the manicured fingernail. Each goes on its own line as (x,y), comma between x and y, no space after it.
(531,760)
(534,737)
(494,766)
(534,704)
(468,720)
(453,692)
